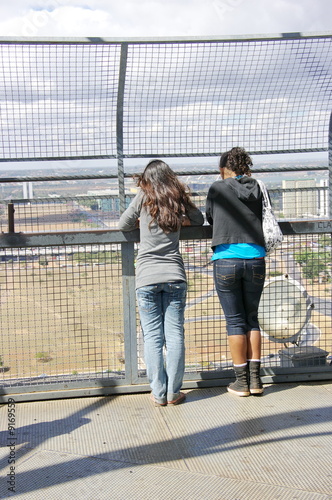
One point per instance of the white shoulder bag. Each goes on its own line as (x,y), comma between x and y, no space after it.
(271,229)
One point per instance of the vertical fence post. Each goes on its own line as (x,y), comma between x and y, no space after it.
(329,196)
(127,249)
(129,312)
(119,124)
(11,221)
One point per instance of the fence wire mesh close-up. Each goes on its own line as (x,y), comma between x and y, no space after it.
(61,316)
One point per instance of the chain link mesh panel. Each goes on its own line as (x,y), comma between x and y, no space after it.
(202,98)
(60,316)
(66,100)
(63,320)
(58,100)
(304,260)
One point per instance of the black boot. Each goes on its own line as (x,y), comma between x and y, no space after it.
(255,383)
(240,386)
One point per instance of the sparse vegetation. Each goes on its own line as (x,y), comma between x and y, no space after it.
(43,357)
(274,274)
(312,263)
(325,240)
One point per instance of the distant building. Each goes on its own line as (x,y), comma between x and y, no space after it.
(323,199)
(27,190)
(301,201)
(108,199)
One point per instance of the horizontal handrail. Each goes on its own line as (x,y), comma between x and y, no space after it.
(113,236)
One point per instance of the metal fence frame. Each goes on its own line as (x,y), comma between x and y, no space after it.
(124,45)
(132,382)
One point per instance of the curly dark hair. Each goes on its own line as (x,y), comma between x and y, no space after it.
(237,160)
(166,198)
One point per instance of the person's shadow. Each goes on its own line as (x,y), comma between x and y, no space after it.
(28,437)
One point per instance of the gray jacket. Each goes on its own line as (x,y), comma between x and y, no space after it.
(158,259)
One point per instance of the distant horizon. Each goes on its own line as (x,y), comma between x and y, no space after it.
(102,164)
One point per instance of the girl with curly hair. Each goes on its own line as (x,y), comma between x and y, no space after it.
(234,209)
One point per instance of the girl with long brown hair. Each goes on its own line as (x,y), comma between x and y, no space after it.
(162,205)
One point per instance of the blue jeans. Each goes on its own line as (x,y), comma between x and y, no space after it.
(239,284)
(161,309)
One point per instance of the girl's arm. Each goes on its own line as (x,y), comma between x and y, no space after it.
(129,220)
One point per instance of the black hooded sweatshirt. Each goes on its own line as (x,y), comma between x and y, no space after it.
(234,209)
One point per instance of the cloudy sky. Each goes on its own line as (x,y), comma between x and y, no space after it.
(154,18)
(161,18)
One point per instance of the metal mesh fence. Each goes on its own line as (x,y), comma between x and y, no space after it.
(305,261)
(67,99)
(60,314)
(296,305)
(202,98)
(64,314)
(58,100)
(206,342)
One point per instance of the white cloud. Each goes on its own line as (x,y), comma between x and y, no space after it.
(279,16)
(150,18)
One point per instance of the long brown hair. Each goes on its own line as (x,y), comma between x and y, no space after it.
(237,160)
(166,198)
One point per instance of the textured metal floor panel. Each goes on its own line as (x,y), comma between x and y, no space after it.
(215,446)
(74,477)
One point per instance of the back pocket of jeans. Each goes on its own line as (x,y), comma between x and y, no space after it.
(225,274)
(258,275)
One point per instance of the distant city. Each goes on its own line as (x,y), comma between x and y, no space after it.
(199,183)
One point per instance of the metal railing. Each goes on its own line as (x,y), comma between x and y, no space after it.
(70,326)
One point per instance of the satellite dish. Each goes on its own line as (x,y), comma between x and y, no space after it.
(284,309)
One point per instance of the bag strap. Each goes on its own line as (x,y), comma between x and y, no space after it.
(265,193)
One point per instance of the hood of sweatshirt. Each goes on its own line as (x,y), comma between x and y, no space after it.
(246,188)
